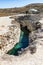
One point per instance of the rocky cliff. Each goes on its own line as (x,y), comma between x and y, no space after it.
(9,35)
(31,55)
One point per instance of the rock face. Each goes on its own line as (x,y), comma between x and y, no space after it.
(28,25)
(9,38)
(26,58)
(28,20)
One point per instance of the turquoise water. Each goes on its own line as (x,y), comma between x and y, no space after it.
(23,43)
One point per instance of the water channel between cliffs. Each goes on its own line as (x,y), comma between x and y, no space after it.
(22,44)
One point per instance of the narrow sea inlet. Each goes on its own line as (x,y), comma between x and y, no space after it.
(22,44)
(24,35)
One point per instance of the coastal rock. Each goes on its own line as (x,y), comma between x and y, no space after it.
(27,58)
(9,38)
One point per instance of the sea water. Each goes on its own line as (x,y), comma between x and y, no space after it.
(23,43)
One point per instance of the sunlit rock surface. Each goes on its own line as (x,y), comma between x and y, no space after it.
(27,58)
(9,34)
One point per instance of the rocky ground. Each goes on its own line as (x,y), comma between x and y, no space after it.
(27,58)
(9,35)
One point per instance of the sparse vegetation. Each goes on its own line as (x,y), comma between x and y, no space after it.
(25,9)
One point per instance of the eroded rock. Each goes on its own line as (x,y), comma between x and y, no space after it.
(9,38)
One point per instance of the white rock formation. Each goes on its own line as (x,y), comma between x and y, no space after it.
(9,34)
(26,58)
